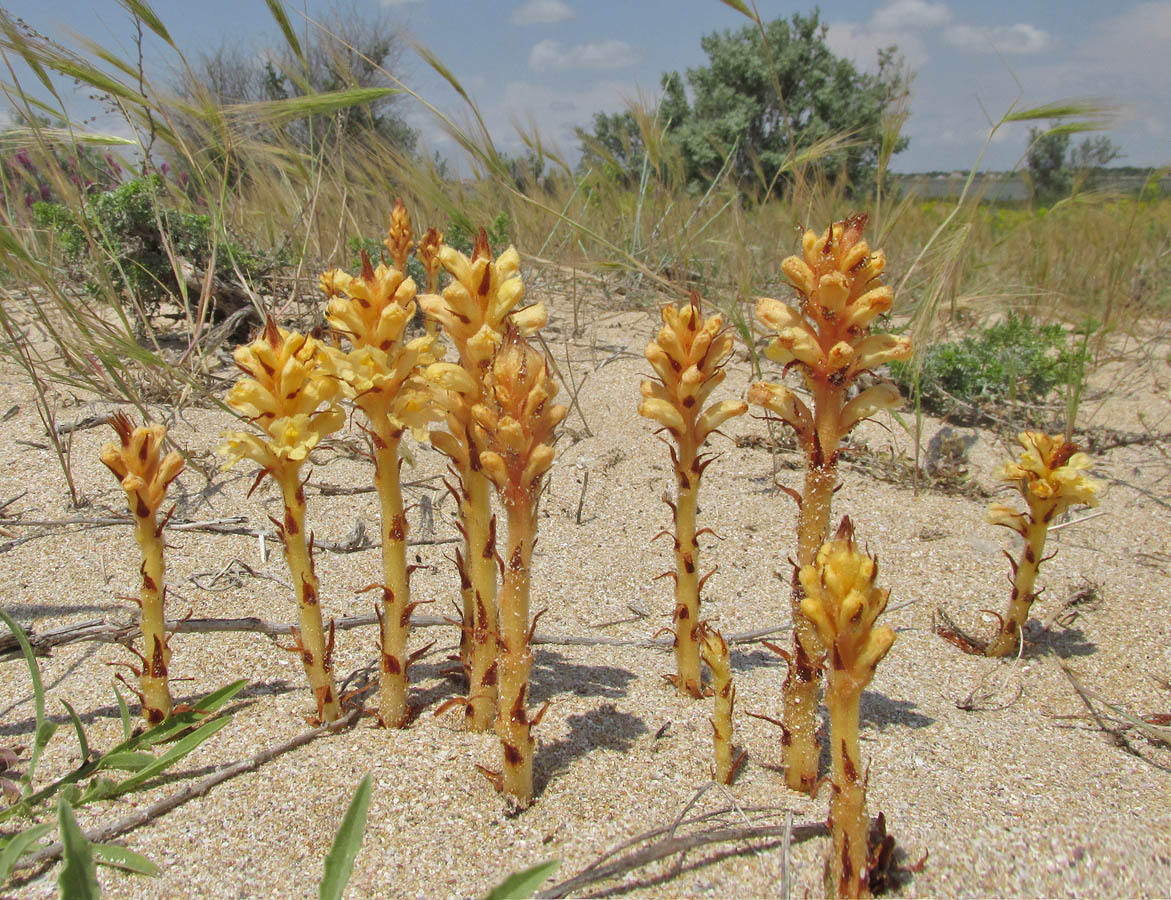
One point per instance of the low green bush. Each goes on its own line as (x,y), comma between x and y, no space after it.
(1016,359)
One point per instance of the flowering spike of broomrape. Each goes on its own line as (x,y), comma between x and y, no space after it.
(398,238)
(475,309)
(842,603)
(288,394)
(688,357)
(715,654)
(427,252)
(513,430)
(138,462)
(826,337)
(1050,475)
(382,373)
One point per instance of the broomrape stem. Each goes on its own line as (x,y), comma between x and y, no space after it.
(311,635)
(516,658)
(480,613)
(849,823)
(156,696)
(715,654)
(687,580)
(1008,638)
(393,708)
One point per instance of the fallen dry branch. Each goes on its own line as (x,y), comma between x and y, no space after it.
(669,844)
(115,632)
(192,790)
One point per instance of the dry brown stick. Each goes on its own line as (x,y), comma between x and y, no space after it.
(104,631)
(671,845)
(193,790)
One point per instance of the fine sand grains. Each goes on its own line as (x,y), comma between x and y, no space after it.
(990,769)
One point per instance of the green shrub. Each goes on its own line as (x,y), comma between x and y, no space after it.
(132,229)
(1013,360)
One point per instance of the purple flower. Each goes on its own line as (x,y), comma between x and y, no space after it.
(165,168)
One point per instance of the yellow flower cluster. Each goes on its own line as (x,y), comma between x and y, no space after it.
(688,355)
(1049,472)
(139,464)
(282,396)
(841,600)
(483,293)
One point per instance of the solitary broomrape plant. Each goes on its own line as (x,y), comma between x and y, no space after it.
(287,382)
(382,374)
(474,310)
(688,356)
(514,431)
(842,603)
(715,654)
(139,464)
(1049,476)
(827,338)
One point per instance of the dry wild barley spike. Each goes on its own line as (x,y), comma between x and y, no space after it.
(827,338)
(514,431)
(474,310)
(842,603)
(688,357)
(382,374)
(715,654)
(1050,475)
(288,393)
(145,473)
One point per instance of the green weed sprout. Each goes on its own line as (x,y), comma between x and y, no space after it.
(842,603)
(826,337)
(715,654)
(688,357)
(514,429)
(382,373)
(474,311)
(288,394)
(1049,475)
(145,473)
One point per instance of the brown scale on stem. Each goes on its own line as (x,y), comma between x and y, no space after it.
(382,373)
(842,603)
(688,356)
(514,430)
(826,338)
(145,472)
(476,308)
(288,394)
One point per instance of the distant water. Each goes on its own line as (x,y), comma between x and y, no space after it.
(1002,188)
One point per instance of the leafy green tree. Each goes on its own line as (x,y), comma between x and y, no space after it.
(1057,167)
(763,99)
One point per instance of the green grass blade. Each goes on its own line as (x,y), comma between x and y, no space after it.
(119,857)
(18,845)
(741,7)
(127,761)
(176,753)
(521,885)
(175,725)
(81,739)
(346,843)
(124,714)
(45,728)
(78,879)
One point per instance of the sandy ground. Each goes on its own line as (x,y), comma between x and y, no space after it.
(990,769)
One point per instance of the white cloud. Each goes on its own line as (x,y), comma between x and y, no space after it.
(920,15)
(860,44)
(1020,38)
(542,12)
(607,54)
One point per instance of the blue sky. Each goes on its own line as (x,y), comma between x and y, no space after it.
(556,62)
